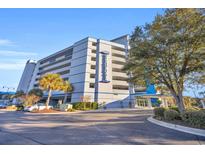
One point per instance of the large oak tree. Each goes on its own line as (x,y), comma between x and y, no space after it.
(170,51)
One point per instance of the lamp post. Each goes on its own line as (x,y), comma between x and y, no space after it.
(8,88)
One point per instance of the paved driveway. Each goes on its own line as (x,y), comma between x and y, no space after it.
(110,127)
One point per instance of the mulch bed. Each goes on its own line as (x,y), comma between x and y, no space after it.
(46,111)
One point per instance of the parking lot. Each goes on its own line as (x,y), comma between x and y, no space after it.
(103,127)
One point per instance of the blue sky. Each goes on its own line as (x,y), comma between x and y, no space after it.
(35,33)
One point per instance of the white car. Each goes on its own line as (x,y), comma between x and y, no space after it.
(37,107)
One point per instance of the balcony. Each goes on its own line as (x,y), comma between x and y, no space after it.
(121,83)
(117,66)
(119,74)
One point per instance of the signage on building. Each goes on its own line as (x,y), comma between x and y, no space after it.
(104,55)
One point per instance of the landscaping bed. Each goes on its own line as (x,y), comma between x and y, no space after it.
(46,111)
(179,122)
(85,106)
(190,118)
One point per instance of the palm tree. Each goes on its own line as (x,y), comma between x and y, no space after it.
(36,91)
(19,94)
(50,82)
(67,87)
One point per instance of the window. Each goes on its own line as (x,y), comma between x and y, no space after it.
(118,62)
(52,60)
(92,75)
(64,72)
(93,58)
(93,51)
(55,68)
(118,55)
(120,87)
(92,67)
(117,70)
(65,52)
(35,85)
(92,85)
(61,60)
(119,78)
(118,48)
(65,79)
(94,43)
(68,54)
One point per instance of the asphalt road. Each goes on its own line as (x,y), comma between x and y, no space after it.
(110,127)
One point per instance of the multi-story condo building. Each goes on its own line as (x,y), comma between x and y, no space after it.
(93,66)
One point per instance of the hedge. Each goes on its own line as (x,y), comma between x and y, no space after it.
(191,117)
(85,106)
(194,118)
(174,108)
(171,115)
(159,112)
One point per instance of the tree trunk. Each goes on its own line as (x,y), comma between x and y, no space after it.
(179,100)
(180,103)
(48,99)
(65,98)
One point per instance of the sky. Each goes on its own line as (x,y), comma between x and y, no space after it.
(36,33)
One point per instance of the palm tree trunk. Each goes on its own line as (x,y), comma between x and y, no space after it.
(48,99)
(65,97)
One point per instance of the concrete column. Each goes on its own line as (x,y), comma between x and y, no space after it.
(203,104)
(164,102)
(149,103)
(135,102)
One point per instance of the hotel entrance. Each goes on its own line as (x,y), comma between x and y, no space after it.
(141,102)
(146,101)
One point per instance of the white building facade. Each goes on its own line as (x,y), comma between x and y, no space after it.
(93,66)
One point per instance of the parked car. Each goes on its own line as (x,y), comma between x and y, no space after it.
(3,106)
(37,107)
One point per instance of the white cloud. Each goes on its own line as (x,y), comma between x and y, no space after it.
(16,53)
(14,64)
(14,60)
(5,42)
(11,66)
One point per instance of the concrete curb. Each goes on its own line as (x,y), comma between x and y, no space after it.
(93,111)
(194,131)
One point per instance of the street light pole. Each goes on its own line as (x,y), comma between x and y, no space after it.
(8,88)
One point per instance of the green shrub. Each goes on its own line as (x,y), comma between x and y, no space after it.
(94,105)
(85,106)
(20,107)
(174,108)
(71,110)
(194,118)
(78,106)
(159,112)
(202,110)
(171,115)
